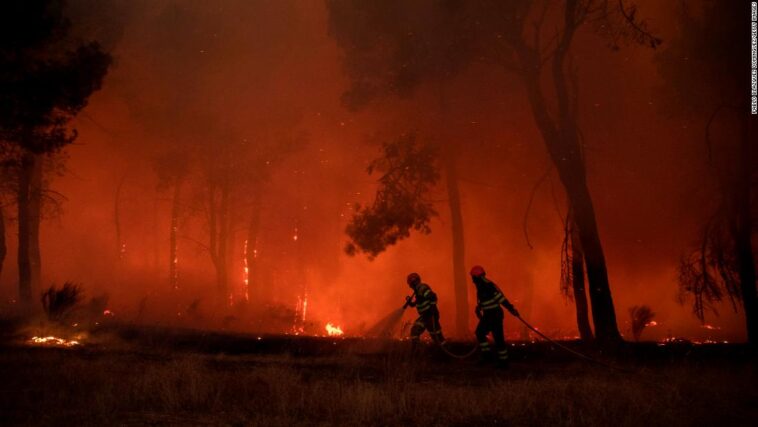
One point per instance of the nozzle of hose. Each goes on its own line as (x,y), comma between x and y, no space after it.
(407,301)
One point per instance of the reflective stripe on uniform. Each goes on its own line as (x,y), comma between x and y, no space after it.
(484,346)
(502,354)
(419,323)
(426,305)
(497,299)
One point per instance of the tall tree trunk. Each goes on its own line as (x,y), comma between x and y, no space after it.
(251,250)
(120,245)
(577,282)
(29,199)
(456,227)
(562,142)
(603,312)
(450,170)
(3,246)
(35,217)
(173,271)
(222,273)
(217,228)
(742,233)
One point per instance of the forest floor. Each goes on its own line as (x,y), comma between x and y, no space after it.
(128,375)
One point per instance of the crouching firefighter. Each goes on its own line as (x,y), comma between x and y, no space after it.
(425,301)
(489,298)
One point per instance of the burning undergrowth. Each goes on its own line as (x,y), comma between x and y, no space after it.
(66,320)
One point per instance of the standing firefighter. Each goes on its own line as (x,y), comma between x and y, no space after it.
(425,301)
(488,301)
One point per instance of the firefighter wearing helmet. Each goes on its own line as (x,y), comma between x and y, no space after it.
(425,301)
(489,298)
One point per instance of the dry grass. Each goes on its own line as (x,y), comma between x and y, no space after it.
(54,387)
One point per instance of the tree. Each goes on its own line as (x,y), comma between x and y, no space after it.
(214,165)
(641,316)
(47,79)
(722,264)
(572,276)
(512,35)
(172,168)
(392,48)
(400,206)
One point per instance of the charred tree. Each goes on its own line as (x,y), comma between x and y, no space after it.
(459,245)
(742,230)
(580,294)
(573,276)
(120,245)
(449,154)
(722,264)
(218,227)
(29,210)
(172,169)
(252,290)
(573,280)
(561,138)
(48,76)
(511,36)
(173,268)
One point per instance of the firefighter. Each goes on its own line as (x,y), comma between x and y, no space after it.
(425,301)
(488,300)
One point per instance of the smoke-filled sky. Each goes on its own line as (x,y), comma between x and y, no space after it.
(191,75)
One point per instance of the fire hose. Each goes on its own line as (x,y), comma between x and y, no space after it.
(441,345)
(541,335)
(563,347)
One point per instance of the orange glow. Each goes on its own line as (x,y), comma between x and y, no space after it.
(333,331)
(53,341)
(245,272)
(281,186)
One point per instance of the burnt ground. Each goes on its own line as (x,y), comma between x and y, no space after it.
(137,375)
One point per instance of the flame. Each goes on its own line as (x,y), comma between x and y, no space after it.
(108,313)
(245,272)
(305,306)
(652,323)
(53,341)
(333,331)
(711,327)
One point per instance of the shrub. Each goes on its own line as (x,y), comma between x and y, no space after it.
(641,316)
(57,303)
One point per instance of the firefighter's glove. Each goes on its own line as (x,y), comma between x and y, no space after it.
(513,311)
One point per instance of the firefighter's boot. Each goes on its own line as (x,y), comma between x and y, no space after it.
(502,359)
(485,353)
